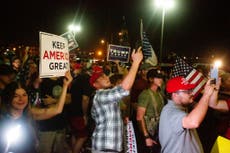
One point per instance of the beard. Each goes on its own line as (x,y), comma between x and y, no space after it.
(189,103)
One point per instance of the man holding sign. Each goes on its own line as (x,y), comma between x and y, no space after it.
(108,133)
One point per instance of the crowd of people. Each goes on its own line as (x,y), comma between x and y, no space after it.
(87,109)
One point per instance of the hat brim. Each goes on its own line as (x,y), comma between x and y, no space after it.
(188,87)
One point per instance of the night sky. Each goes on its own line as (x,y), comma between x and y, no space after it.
(194,27)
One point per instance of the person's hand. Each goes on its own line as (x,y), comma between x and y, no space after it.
(150,142)
(68,78)
(209,88)
(218,84)
(116,62)
(137,56)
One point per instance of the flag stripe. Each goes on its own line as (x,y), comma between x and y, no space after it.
(191,75)
(195,77)
(201,83)
(199,88)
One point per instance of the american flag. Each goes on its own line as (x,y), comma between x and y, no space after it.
(193,76)
(147,47)
(148,52)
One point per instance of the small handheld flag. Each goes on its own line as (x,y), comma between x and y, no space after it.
(181,68)
(148,52)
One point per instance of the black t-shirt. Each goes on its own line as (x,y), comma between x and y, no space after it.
(52,88)
(80,86)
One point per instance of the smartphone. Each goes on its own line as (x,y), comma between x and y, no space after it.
(214,75)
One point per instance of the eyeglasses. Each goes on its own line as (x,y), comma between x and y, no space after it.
(185,91)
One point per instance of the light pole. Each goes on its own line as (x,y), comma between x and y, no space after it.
(162,33)
(164,5)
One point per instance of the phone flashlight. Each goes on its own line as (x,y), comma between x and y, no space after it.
(13,134)
(214,71)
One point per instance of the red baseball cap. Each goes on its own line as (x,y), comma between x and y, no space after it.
(77,66)
(94,77)
(178,83)
(97,71)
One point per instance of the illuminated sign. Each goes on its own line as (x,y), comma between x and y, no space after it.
(120,53)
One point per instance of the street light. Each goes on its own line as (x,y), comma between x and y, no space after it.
(102,41)
(164,5)
(74,28)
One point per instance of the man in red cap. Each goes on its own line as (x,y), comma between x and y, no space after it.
(177,129)
(108,132)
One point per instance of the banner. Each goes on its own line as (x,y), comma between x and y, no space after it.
(130,141)
(54,55)
(120,53)
(72,43)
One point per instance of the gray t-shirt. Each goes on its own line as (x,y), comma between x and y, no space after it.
(173,137)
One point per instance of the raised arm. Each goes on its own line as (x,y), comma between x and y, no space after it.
(52,110)
(130,77)
(196,116)
(215,103)
(221,105)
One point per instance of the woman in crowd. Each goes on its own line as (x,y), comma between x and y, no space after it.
(42,113)
(16,117)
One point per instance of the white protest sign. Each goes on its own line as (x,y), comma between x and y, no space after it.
(54,55)
(72,43)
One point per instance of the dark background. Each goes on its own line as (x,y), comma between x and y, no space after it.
(194,27)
